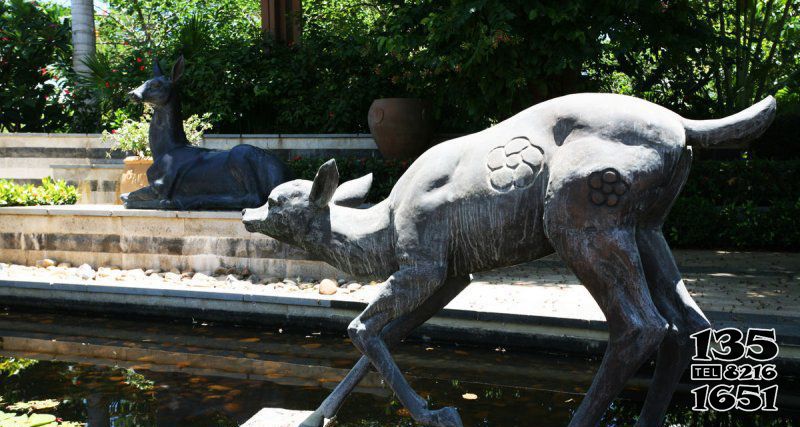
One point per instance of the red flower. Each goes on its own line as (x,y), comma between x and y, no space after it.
(138,59)
(141,68)
(113,131)
(44,71)
(296,158)
(107,84)
(5,39)
(66,91)
(114,71)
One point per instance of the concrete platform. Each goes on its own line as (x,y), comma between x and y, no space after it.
(110,235)
(277,417)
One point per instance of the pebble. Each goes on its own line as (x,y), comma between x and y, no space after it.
(253,278)
(86,272)
(328,287)
(64,265)
(44,263)
(231,279)
(352,287)
(341,282)
(305,286)
(222,271)
(201,277)
(151,271)
(137,273)
(289,282)
(172,277)
(174,271)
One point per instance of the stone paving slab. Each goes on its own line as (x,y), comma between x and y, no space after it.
(277,417)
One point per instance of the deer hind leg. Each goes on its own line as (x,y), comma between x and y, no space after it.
(682,313)
(671,298)
(594,192)
(404,291)
(607,263)
(392,334)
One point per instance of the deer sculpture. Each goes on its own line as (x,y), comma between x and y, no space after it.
(191,178)
(589,176)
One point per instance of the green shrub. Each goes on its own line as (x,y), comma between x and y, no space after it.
(35,52)
(49,193)
(132,136)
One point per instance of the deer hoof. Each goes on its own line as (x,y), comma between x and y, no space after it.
(446,417)
(316,419)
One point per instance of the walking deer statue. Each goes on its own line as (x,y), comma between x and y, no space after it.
(589,176)
(192,178)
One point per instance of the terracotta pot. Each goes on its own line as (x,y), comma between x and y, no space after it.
(402,127)
(134,176)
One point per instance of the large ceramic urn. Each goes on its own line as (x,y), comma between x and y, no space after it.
(402,127)
(134,176)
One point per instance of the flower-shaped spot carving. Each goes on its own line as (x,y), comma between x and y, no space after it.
(514,165)
(606,187)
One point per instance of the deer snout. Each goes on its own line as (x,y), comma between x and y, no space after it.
(251,218)
(135,95)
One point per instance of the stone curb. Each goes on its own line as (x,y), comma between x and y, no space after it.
(452,325)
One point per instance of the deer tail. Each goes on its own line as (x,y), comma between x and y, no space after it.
(739,128)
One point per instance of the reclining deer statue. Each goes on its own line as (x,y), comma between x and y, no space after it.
(186,177)
(589,176)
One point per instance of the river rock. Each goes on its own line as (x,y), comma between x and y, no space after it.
(328,287)
(44,263)
(352,287)
(86,272)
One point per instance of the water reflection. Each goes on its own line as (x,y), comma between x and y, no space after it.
(111,372)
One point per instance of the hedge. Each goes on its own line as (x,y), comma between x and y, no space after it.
(49,193)
(726,204)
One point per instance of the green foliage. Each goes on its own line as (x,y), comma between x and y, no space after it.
(49,193)
(13,365)
(34,56)
(739,204)
(132,136)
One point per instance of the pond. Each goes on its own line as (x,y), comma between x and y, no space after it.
(145,372)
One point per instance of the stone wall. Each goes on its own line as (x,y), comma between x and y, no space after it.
(105,235)
(83,160)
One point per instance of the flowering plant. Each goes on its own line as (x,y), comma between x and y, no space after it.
(132,135)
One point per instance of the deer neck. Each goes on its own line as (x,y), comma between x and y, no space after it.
(166,127)
(357,241)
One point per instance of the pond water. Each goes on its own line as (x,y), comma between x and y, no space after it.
(138,372)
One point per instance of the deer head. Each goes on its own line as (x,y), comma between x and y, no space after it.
(158,90)
(293,207)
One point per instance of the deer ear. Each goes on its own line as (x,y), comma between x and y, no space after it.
(352,193)
(177,69)
(157,68)
(325,184)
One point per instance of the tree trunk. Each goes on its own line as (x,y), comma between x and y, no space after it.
(83,38)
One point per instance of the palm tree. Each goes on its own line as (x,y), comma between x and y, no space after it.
(83,38)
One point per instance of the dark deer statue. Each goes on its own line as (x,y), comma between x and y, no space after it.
(589,176)
(192,178)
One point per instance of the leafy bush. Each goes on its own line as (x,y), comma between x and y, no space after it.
(49,193)
(34,59)
(133,136)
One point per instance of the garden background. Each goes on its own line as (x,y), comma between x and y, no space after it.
(478,62)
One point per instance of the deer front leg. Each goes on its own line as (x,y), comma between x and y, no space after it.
(405,290)
(392,335)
